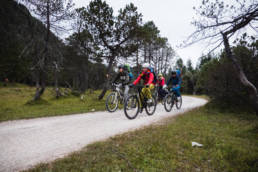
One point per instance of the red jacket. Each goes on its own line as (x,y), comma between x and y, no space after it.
(148,78)
(161,82)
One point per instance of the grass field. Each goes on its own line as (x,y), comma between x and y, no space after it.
(15,103)
(230,143)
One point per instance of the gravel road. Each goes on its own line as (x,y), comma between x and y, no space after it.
(25,143)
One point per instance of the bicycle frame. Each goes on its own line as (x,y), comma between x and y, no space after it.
(118,91)
(140,96)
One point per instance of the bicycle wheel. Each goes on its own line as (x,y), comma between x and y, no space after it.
(168,102)
(112,102)
(151,107)
(131,107)
(155,94)
(179,102)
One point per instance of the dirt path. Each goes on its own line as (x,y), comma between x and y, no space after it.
(25,143)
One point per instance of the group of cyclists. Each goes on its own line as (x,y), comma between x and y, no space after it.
(124,79)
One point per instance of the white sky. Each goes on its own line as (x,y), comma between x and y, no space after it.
(172,17)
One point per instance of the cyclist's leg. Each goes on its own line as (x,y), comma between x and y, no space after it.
(144,92)
(119,86)
(147,91)
(177,91)
(162,93)
(126,91)
(151,88)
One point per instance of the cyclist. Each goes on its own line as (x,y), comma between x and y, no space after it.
(161,86)
(148,78)
(176,83)
(123,77)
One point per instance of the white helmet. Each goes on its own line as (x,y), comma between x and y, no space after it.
(145,65)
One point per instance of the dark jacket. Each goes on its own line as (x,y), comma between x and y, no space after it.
(122,77)
(174,80)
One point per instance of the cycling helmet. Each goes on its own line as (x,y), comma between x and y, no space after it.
(173,72)
(160,75)
(120,66)
(145,65)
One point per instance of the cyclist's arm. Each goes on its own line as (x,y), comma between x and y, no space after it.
(117,77)
(170,80)
(151,78)
(137,80)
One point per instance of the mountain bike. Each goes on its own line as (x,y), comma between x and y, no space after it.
(115,97)
(172,99)
(136,102)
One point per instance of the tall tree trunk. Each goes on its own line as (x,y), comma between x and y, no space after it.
(251,89)
(150,54)
(145,53)
(110,64)
(84,75)
(162,60)
(166,62)
(45,55)
(40,86)
(37,88)
(58,93)
(137,61)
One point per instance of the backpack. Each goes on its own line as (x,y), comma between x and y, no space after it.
(155,76)
(178,73)
(128,68)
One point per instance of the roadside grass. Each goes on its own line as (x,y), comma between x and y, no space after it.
(16,103)
(230,143)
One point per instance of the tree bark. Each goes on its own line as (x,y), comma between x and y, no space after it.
(40,86)
(42,74)
(137,61)
(110,64)
(145,54)
(166,63)
(251,89)
(58,93)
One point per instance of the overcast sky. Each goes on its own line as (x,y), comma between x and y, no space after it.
(172,17)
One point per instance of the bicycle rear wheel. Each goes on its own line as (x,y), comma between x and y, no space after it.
(112,102)
(131,107)
(168,102)
(151,107)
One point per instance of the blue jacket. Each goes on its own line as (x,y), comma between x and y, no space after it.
(176,80)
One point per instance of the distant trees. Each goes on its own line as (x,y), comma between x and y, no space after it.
(154,49)
(49,55)
(13,40)
(111,36)
(218,78)
(218,22)
(100,41)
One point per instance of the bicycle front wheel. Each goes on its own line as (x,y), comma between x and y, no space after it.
(112,102)
(168,102)
(151,106)
(131,107)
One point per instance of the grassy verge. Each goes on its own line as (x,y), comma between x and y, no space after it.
(15,103)
(230,144)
